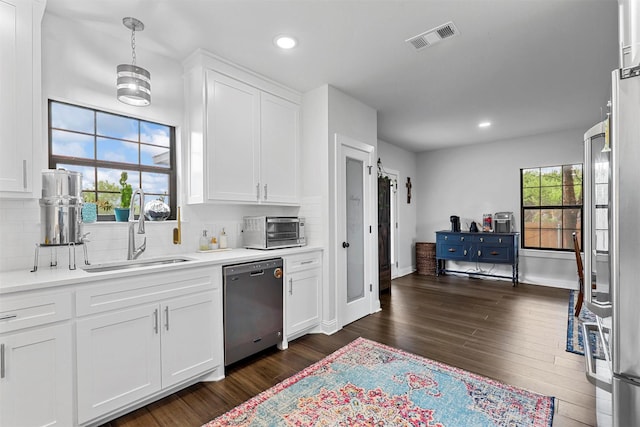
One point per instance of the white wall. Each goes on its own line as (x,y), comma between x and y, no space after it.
(476,179)
(405,163)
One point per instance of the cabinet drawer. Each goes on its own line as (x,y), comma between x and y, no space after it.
(495,254)
(495,240)
(139,289)
(452,238)
(451,251)
(34,310)
(301,262)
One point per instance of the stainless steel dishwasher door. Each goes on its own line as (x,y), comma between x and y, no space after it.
(252,308)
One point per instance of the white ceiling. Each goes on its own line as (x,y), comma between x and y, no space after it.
(528,66)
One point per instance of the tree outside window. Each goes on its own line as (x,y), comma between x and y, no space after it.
(551,206)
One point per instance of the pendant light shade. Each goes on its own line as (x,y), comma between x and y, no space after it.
(134,82)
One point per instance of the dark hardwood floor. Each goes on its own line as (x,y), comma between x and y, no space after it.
(514,335)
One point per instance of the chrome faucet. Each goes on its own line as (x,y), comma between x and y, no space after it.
(134,252)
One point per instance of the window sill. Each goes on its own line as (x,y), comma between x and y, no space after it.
(541,253)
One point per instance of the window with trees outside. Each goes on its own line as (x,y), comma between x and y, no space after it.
(551,206)
(103,145)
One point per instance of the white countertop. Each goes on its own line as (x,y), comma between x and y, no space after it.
(49,278)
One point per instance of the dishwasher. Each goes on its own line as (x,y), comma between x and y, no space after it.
(253,315)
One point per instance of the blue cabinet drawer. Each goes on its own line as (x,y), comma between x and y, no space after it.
(495,253)
(494,240)
(453,251)
(452,238)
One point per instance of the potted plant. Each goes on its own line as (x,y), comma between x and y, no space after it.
(122,213)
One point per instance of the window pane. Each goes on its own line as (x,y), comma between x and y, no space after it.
(532,227)
(572,219)
(109,179)
(572,174)
(114,150)
(106,203)
(531,196)
(155,183)
(71,144)
(70,117)
(530,178)
(551,176)
(155,156)
(156,134)
(117,126)
(579,194)
(551,196)
(551,218)
(88,175)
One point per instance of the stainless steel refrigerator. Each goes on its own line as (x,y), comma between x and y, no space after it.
(612,247)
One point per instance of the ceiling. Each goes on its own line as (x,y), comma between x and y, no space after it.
(527,66)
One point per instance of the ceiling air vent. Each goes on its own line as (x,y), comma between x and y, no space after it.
(433,36)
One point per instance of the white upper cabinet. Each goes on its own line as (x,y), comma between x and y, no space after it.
(233,139)
(243,135)
(20,94)
(280,142)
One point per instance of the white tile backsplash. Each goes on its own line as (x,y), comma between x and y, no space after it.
(20,232)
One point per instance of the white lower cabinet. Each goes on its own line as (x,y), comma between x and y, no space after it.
(36,377)
(168,332)
(118,359)
(303,282)
(191,323)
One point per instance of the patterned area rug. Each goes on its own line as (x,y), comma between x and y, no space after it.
(369,384)
(575,340)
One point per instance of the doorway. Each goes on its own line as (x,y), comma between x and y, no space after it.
(356,204)
(394,177)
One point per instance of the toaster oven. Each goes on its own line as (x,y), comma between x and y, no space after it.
(273,232)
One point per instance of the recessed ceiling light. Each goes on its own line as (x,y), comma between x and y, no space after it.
(285,42)
(484,124)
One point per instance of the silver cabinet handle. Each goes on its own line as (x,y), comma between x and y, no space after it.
(290,286)
(306,262)
(258,191)
(24,174)
(166,317)
(465,252)
(8,316)
(265,191)
(1,360)
(479,253)
(155,320)
(481,239)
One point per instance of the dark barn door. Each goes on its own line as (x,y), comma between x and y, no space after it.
(384,233)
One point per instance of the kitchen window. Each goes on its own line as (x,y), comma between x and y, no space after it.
(102,145)
(551,206)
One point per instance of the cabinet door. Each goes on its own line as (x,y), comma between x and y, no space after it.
(303,300)
(233,139)
(279,139)
(118,358)
(191,336)
(35,380)
(16,93)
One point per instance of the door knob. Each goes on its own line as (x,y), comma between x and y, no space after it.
(345,245)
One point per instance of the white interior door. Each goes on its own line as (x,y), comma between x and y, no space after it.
(355,279)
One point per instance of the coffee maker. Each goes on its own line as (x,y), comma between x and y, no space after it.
(455,223)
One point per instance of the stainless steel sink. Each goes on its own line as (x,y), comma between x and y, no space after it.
(124,265)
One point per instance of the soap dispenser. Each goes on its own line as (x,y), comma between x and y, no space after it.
(204,241)
(222,241)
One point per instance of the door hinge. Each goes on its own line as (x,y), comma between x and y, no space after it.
(369,169)
(370,287)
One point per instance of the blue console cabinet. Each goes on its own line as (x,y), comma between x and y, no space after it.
(494,248)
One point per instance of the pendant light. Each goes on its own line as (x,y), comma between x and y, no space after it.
(134,82)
